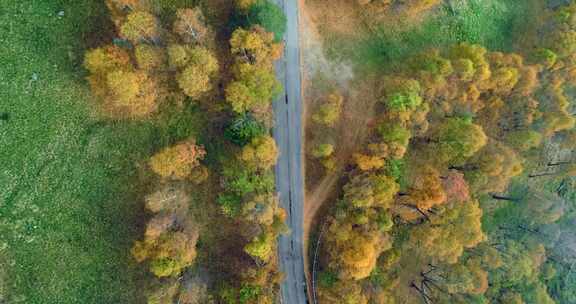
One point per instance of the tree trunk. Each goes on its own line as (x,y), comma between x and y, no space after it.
(542,174)
(528,229)
(504,198)
(422,293)
(559,163)
(418,210)
(464,168)
(432,283)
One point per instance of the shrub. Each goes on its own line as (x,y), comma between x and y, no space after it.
(269,16)
(243,129)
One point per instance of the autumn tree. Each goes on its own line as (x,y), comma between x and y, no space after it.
(491,169)
(430,63)
(455,187)
(520,272)
(168,254)
(131,94)
(451,281)
(255,46)
(260,153)
(253,87)
(368,162)
(261,247)
(169,243)
(456,139)
(479,70)
(130,81)
(106,59)
(120,8)
(198,67)
(370,190)
(178,55)
(244,4)
(351,251)
(394,134)
(150,58)
(445,236)
(357,234)
(555,106)
(330,110)
(568,139)
(122,90)
(191,26)
(378,155)
(529,202)
(179,161)
(261,209)
(402,94)
(524,140)
(323,151)
(499,116)
(342,292)
(140,26)
(126,4)
(425,191)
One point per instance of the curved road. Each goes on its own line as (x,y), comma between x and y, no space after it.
(289,173)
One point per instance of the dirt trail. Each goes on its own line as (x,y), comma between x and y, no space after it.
(315,64)
(352,132)
(320,77)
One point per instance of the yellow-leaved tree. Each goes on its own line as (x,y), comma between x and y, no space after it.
(178,162)
(198,67)
(261,153)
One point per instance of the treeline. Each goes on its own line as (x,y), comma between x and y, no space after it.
(147,66)
(425,214)
(154,62)
(248,194)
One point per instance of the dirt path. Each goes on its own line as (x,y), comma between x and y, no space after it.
(320,73)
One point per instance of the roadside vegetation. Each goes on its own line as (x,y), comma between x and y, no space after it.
(461,190)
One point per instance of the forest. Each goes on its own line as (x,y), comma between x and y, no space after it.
(141,158)
(461,187)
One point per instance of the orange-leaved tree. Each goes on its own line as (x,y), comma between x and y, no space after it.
(178,161)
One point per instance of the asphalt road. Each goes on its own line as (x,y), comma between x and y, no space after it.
(289,173)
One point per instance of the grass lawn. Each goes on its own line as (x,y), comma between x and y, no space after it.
(499,25)
(71,184)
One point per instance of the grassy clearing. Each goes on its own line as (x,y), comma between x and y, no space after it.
(496,24)
(70,202)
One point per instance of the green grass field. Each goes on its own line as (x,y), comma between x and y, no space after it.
(496,24)
(71,184)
